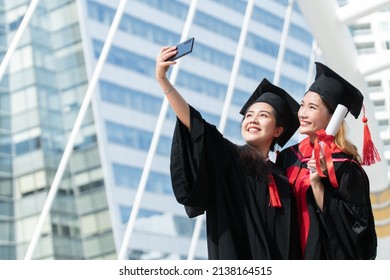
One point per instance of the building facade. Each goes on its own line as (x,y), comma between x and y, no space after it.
(41,95)
(371,35)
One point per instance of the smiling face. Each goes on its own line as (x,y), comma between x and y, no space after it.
(313,115)
(259,127)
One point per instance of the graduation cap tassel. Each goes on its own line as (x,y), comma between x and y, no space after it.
(370,153)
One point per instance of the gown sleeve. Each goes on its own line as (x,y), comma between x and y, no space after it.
(347,217)
(194,156)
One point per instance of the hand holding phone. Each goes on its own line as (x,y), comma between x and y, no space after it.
(183,49)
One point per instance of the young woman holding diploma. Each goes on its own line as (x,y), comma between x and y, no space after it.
(332,190)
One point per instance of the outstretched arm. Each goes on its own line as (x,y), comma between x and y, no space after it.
(177,102)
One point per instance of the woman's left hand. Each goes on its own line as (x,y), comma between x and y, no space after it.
(311,165)
(315,180)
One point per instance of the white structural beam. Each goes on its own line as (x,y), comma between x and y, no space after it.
(283,41)
(339,53)
(357,9)
(378,63)
(18,36)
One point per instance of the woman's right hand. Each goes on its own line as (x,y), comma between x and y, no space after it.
(162,64)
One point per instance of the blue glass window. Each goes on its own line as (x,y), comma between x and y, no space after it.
(15,24)
(240,97)
(130,98)
(126,59)
(124,213)
(128,136)
(135,138)
(100,12)
(126,176)
(202,85)
(129,177)
(142,213)
(300,34)
(262,45)
(213,56)
(27,146)
(5,144)
(237,5)
(297,60)
(293,87)
(6,209)
(5,164)
(159,183)
(254,71)
(217,25)
(172,7)
(267,18)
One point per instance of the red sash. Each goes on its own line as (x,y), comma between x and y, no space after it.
(299,178)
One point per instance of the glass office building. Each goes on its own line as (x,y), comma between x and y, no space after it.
(41,94)
(43,89)
(372,37)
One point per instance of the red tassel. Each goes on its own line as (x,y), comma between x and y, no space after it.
(370,153)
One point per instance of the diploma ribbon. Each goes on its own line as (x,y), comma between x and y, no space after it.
(325,143)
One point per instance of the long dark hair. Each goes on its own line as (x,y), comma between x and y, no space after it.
(253,163)
(341,136)
(278,123)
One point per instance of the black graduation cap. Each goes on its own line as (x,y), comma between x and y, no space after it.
(336,90)
(285,106)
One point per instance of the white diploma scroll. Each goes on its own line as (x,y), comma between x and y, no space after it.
(334,124)
(336,120)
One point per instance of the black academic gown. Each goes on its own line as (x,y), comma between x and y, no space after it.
(207,177)
(345,228)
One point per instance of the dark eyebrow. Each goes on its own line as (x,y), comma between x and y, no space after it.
(310,103)
(261,111)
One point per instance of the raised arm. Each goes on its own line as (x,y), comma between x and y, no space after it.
(178,104)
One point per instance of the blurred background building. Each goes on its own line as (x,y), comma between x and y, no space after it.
(49,73)
(371,36)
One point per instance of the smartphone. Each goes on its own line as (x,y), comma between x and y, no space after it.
(183,49)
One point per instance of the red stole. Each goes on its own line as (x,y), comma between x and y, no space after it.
(299,178)
(274,199)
